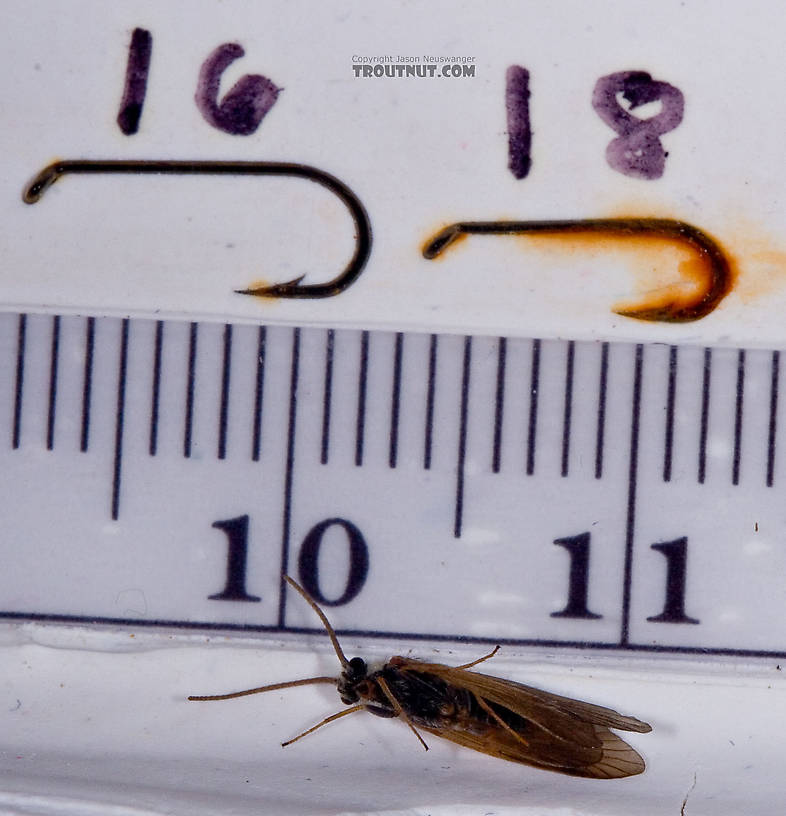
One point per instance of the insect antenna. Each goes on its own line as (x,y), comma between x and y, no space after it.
(325,622)
(289,684)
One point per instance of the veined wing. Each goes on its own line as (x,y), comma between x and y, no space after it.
(612,759)
(559,733)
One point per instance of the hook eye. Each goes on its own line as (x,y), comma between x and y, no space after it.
(711,271)
(289,289)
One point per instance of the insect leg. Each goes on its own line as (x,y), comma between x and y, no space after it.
(493,714)
(332,717)
(398,709)
(479,660)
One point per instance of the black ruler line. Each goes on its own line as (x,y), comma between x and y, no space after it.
(705,414)
(327,395)
(772,429)
(360,423)
(430,397)
(499,405)
(395,399)
(87,383)
(226,374)
(724,651)
(671,393)
(289,475)
(600,434)
(740,390)
(259,394)
(534,387)
(635,416)
(458,518)
(155,396)
(119,418)
(54,361)
(190,389)
(21,335)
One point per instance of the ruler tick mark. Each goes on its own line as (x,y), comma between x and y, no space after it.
(568,408)
(190,388)
(87,382)
(395,399)
(327,395)
(462,438)
(632,480)
(289,475)
(735,468)
(256,441)
(54,359)
(601,426)
(773,418)
(671,393)
(705,413)
(155,397)
(20,380)
(496,455)
(360,425)
(226,371)
(534,385)
(430,395)
(119,418)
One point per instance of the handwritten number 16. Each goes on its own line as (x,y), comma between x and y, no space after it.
(239,113)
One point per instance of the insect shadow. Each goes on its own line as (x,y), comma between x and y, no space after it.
(492,715)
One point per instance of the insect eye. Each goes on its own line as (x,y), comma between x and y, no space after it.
(357,666)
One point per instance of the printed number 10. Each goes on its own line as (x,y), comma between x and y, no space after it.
(236,531)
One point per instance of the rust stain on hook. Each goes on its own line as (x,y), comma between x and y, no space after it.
(708,270)
(288,289)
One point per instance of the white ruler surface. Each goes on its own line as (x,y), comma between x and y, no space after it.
(621,496)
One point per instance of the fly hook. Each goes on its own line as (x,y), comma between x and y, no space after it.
(715,285)
(289,289)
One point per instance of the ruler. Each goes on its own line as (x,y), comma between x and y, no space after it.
(523,491)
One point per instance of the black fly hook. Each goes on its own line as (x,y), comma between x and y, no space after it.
(289,289)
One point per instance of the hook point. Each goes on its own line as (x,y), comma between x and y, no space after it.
(289,288)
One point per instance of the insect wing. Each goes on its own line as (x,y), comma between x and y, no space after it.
(562,734)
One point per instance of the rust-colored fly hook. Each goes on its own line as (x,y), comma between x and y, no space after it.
(716,280)
(288,289)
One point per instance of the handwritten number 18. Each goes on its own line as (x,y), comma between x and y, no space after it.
(636,152)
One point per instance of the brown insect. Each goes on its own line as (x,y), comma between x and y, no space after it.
(488,714)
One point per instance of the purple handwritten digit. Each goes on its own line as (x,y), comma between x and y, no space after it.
(638,150)
(519,130)
(137,68)
(245,105)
